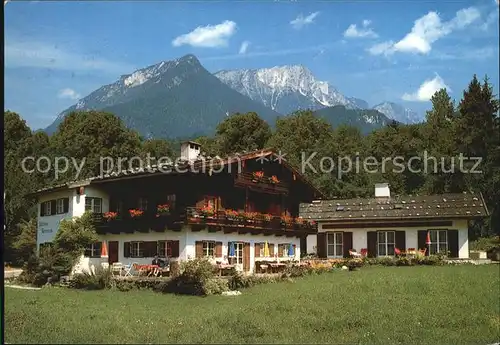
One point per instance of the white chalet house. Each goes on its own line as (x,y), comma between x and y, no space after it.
(382,225)
(241,202)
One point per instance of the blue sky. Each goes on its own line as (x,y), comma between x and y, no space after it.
(56,52)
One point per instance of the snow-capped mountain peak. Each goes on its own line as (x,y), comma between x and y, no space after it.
(284,88)
(397,112)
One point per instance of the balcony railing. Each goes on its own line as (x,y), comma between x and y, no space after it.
(229,218)
(192,216)
(264,183)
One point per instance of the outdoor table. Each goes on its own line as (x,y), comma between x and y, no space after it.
(275,266)
(147,268)
(223,267)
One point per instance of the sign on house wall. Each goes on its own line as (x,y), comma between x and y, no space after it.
(47,228)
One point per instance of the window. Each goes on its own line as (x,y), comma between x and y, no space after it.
(335,246)
(143,204)
(165,249)
(171,200)
(93,204)
(386,243)
(208,248)
(46,209)
(137,249)
(238,253)
(283,249)
(261,249)
(60,206)
(119,207)
(439,241)
(94,250)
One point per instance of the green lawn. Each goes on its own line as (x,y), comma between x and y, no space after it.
(375,305)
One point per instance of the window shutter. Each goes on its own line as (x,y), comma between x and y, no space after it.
(294,249)
(271,249)
(421,237)
(347,243)
(53,205)
(66,205)
(150,249)
(371,245)
(198,249)
(400,239)
(42,209)
(218,249)
(257,250)
(126,249)
(175,249)
(321,244)
(453,243)
(246,256)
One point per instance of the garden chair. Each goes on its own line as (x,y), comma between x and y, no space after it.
(411,251)
(354,253)
(397,252)
(105,265)
(116,267)
(422,251)
(364,252)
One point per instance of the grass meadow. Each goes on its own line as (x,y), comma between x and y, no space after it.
(374,305)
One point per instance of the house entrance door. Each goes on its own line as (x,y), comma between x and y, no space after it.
(113,252)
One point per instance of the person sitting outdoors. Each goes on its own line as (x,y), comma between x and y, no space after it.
(159,263)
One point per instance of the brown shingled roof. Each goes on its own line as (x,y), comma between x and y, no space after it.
(270,153)
(466,205)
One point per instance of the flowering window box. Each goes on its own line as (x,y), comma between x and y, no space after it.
(110,216)
(163,210)
(135,214)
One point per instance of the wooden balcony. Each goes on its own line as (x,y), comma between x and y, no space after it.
(192,216)
(264,185)
(221,219)
(144,223)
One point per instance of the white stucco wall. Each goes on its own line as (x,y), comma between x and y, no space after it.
(359,236)
(49,225)
(187,240)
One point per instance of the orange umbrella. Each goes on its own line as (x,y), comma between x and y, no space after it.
(104,250)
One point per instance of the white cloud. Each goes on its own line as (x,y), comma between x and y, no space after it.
(69,93)
(45,55)
(244,47)
(427,30)
(491,20)
(302,21)
(381,48)
(210,36)
(364,31)
(427,90)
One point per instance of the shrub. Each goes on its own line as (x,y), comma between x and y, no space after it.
(405,261)
(215,286)
(432,260)
(296,271)
(59,258)
(386,261)
(486,244)
(99,279)
(195,275)
(354,264)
